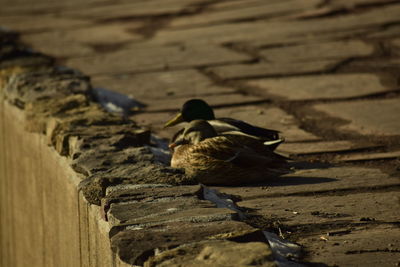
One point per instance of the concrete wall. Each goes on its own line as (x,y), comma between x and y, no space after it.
(45,221)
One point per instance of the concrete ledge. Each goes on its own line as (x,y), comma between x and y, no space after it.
(83,187)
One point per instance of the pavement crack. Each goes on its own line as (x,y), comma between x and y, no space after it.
(333,192)
(361,251)
(330,9)
(155,23)
(244,49)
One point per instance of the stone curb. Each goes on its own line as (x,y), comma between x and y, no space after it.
(150,207)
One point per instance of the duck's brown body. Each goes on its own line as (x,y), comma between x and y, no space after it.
(228,160)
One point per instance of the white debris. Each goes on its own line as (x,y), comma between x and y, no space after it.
(161,155)
(283,250)
(115,102)
(221,200)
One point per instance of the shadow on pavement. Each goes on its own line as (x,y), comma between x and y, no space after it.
(299,180)
(305,165)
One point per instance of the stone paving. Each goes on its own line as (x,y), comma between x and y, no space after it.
(325,73)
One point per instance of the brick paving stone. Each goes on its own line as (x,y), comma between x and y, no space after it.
(280,31)
(328,8)
(155,122)
(395,46)
(67,42)
(374,246)
(57,47)
(215,34)
(136,245)
(134,193)
(316,147)
(353,3)
(272,118)
(224,5)
(161,85)
(318,51)
(302,210)
(40,23)
(216,253)
(369,156)
(262,10)
(213,100)
(45,6)
(149,192)
(322,86)
(306,181)
(155,58)
(240,71)
(184,209)
(376,117)
(135,9)
(310,37)
(375,64)
(388,32)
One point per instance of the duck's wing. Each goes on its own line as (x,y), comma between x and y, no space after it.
(238,125)
(261,147)
(221,126)
(228,147)
(247,158)
(212,153)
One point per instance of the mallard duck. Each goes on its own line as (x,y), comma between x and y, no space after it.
(223,159)
(198,109)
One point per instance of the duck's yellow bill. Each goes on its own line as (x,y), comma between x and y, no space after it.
(177,119)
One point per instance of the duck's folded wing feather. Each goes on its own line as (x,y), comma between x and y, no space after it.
(227,149)
(222,126)
(267,134)
(218,147)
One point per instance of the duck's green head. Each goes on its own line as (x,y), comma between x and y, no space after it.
(194,109)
